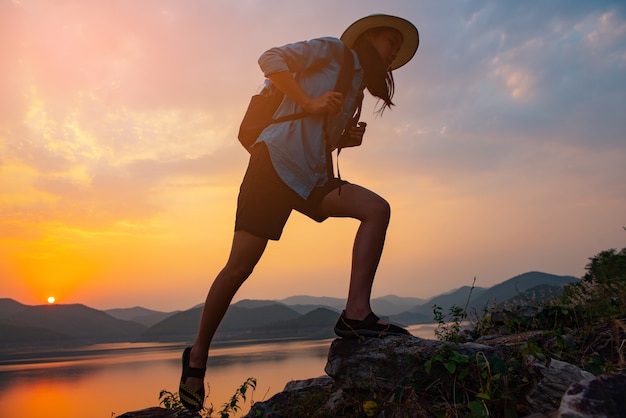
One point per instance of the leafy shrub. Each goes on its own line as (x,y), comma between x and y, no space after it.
(171,400)
(585,325)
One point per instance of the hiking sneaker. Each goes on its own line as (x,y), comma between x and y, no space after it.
(368,327)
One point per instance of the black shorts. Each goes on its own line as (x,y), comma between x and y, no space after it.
(265,201)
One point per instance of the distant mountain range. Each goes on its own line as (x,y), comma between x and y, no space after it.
(141,315)
(23,325)
(297,317)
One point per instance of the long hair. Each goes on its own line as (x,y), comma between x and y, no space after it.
(378,80)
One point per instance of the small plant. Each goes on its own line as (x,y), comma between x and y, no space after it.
(451,360)
(471,385)
(448,328)
(171,400)
(232,406)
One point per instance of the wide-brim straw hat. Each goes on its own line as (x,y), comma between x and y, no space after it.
(409,33)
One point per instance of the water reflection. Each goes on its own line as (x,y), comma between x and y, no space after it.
(107,380)
(273,352)
(103,380)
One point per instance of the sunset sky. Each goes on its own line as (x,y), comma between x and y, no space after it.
(120,167)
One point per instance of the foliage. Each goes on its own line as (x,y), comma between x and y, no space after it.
(607,266)
(585,325)
(448,328)
(232,406)
(172,401)
(603,287)
(457,383)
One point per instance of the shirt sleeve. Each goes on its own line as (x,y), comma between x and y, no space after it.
(301,56)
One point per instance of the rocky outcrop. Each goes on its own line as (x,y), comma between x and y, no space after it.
(403,376)
(392,377)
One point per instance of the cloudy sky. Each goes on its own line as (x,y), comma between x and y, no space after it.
(119,164)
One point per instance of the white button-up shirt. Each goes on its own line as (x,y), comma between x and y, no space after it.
(298,148)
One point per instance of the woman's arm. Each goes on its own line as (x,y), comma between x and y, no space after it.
(329,102)
(279,63)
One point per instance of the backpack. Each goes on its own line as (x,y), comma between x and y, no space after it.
(262,106)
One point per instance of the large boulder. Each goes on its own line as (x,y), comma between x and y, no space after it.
(599,397)
(377,377)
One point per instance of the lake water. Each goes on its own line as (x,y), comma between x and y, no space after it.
(104,381)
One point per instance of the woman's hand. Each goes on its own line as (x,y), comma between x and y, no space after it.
(329,102)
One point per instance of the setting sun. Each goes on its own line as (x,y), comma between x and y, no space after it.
(51,299)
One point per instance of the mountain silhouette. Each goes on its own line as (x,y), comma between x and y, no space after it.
(237,321)
(141,315)
(295,317)
(73,323)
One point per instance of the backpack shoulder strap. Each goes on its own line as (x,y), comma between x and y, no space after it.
(344,82)
(346,70)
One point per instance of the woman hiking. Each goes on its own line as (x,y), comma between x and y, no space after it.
(290,168)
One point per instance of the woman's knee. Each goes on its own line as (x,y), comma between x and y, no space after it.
(379,210)
(231,278)
(238,272)
(246,252)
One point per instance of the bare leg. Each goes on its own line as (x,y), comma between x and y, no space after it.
(374,213)
(245,253)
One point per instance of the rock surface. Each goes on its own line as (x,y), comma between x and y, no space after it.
(159,413)
(383,366)
(556,378)
(381,378)
(600,397)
